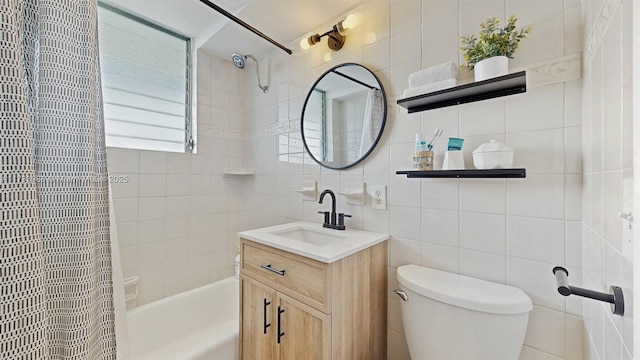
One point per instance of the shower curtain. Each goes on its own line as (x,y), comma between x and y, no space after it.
(56,291)
(372,120)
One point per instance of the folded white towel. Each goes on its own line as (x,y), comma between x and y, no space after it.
(424,89)
(434,74)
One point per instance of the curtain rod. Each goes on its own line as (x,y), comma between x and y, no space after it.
(244,24)
(355,80)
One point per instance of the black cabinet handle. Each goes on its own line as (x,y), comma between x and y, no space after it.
(265,325)
(280,334)
(268,267)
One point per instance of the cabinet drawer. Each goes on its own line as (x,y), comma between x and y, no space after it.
(301,278)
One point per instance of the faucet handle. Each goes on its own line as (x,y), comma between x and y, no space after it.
(326,216)
(341,217)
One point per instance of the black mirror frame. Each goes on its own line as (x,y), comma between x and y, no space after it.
(378,137)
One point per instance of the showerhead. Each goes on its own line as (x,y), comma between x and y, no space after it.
(238,60)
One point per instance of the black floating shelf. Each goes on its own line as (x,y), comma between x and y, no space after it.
(477,174)
(482,90)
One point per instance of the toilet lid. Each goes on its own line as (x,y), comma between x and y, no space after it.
(463,291)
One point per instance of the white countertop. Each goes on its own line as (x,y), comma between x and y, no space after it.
(344,243)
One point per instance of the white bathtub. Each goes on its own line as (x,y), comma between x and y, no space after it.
(199,324)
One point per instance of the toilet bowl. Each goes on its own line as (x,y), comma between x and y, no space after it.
(451,316)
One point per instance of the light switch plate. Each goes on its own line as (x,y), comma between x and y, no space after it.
(379,197)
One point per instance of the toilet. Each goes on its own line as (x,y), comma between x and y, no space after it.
(456,317)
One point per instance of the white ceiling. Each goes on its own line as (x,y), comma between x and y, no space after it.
(285,21)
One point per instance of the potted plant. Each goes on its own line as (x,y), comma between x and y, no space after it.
(489,54)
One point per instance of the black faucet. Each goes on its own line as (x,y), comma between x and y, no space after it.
(330,219)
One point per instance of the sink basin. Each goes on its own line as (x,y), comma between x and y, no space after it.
(310,236)
(314,241)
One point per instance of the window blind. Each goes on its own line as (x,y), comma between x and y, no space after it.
(145,83)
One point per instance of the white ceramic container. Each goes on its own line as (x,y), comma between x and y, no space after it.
(493,155)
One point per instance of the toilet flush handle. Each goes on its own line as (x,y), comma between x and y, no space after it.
(402,294)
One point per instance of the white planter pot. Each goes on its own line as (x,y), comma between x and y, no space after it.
(491,67)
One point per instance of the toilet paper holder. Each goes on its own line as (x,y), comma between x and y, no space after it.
(615,296)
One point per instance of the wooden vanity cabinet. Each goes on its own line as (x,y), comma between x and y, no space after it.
(297,308)
(256,320)
(260,307)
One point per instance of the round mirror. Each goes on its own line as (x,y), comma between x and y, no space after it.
(343,116)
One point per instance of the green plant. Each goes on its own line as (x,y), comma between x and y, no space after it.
(493,41)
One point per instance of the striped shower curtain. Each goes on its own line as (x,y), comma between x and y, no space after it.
(56,293)
(372,122)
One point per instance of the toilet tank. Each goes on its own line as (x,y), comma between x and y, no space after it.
(452,316)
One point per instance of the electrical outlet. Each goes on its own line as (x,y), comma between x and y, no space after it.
(379,197)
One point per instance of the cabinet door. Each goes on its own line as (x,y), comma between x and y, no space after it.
(257,326)
(304,332)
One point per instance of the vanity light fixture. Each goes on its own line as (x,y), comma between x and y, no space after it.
(335,37)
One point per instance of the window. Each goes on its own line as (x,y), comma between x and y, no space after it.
(315,126)
(145,83)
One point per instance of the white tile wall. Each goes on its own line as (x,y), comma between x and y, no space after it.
(483,265)
(483,232)
(538,109)
(403,46)
(510,232)
(482,118)
(606,104)
(441,194)
(539,196)
(483,196)
(536,239)
(546,41)
(441,257)
(546,331)
(440,227)
(171,232)
(177,216)
(440,26)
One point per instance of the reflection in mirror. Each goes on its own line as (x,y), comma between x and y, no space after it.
(343,116)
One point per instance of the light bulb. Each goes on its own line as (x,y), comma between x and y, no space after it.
(304,44)
(350,22)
